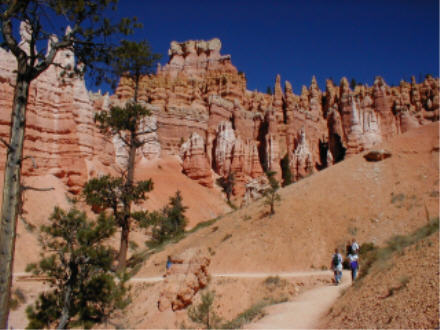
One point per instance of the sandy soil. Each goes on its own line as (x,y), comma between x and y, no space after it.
(304,311)
(167,179)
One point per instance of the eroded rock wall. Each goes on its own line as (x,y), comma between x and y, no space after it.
(202,111)
(246,133)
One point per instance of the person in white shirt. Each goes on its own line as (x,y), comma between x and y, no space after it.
(354,265)
(354,246)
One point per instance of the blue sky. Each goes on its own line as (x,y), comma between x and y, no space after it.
(297,39)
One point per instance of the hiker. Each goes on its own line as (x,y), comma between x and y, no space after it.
(354,265)
(354,246)
(337,266)
(348,249)
(169,262)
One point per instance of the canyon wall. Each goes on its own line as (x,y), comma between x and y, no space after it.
(206,114)
(202,111)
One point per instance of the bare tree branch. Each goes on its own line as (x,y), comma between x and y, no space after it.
(123,139)
(34,163)
(7,144)
(146,132)
(36,189)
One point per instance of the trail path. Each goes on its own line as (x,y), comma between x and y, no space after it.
(152,279)
(305,311)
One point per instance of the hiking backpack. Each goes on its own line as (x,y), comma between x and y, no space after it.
(335,260)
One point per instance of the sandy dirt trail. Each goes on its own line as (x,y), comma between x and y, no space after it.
(305,311)
(23,276)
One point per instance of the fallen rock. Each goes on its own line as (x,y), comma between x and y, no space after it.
(377,155)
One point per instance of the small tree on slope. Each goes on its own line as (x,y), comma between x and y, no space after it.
(169,222)
(40,25)
(78,265)
(271,195)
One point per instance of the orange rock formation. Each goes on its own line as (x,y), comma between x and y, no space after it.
(200,92)
(203,112)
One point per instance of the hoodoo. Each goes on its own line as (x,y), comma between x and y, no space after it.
(202,111)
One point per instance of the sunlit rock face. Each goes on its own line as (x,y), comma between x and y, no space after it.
(61,137)
(202,111)
(195,162)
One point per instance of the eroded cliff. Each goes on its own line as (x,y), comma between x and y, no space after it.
(203,112)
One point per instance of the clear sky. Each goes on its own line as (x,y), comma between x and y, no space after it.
(300,38)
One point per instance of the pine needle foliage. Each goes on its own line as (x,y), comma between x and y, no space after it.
(117,194)
(134,59)
(110,192)
(120,120)
(169,222)
(84,290)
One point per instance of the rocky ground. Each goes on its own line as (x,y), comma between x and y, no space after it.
(402,293)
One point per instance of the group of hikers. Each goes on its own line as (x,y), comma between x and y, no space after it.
(352,257)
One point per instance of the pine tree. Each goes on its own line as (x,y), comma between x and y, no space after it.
(40,26)
(271,195)
(169,222)
(76,261)
(175,213)
(132,59)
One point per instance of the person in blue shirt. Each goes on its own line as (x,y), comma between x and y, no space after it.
(169,262)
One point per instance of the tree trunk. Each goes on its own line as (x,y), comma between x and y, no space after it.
(65,314)
(11,194)
(67,299)
(123,249)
